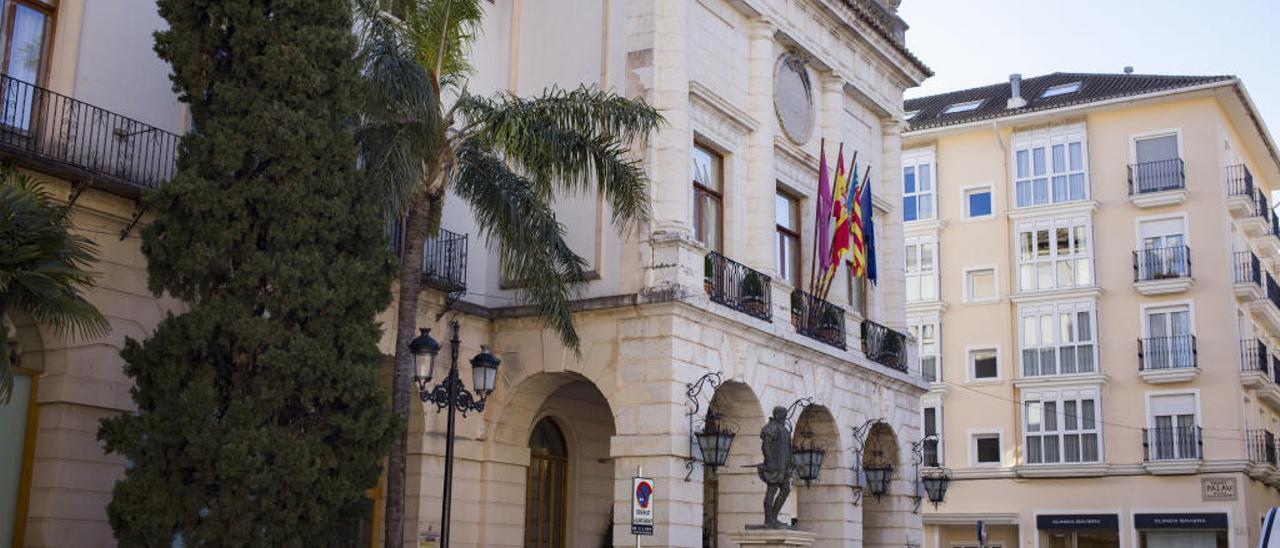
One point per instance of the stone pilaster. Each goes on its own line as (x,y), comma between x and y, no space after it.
(671,159)
(754,199)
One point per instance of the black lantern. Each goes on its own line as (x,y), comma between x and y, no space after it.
(484,372)
(424,350)
(808,463)
(714,441)
(935,483)
(878,478)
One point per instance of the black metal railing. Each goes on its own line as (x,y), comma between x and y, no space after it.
(1176,352)
(929,368)
(732,284)
(1254,356)
(1273,290)
(1262,446)
(1246,269)
(817,319)
(84,139)
(1162,263)
(1239,181)
(444,262)
(884,346)
(1156,176)
(930,452)
(1172,443)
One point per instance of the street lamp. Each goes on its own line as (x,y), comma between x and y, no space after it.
(879,475)
(451,394)
(936,482)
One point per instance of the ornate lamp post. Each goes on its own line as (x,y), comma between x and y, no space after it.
(807,451)
(451,394)
(874,472)
(933,481)
(711,437)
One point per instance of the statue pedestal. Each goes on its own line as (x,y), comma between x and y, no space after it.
(773,537)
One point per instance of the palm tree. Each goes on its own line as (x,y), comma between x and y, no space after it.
(42,267)
(507,157)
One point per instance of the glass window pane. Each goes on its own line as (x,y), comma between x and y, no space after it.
(1084,327)
(1077,186)
(926,257)
(26,46)
(913,258)
(1024,193)
(1051,416)
(1060,191)
(1037,161)
(925,206)
(979,203)
(1077,159)
(1023,170)
(1040,191)
(1059,159)
(909,179)
(1042,243)
(909,209)
(1035,416)
(706,168)
(926,182)
(1087,421)
(1051,449)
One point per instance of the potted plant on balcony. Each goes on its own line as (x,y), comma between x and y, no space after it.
(753,293)
(797,308)
(708,270)
(829,324)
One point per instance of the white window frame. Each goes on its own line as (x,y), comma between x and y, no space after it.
(1056,256)
(1055,310)
(964,200)
(1045,140)
(920,274)
(936,405)
(916,325)
(969,364)
(1145,309)
(972,438)
(1193,392)
(968,287)
(1135,137)
(915,159)
(1059,396)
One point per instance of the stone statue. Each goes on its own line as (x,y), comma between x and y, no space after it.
(777,469)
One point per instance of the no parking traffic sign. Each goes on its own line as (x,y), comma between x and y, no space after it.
(641,506)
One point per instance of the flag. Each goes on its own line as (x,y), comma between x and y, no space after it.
(822,223)
(868,228)
(857,243)
(840,211)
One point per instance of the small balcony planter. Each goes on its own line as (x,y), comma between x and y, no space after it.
(797,308)
(829,325)
(708,270)
(753,294)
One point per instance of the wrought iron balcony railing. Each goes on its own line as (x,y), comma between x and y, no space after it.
(81,141)
(1262,447)
(817,319)
(1172,443)
(1246,269)
(884,346)
(1239,181)
(1156,176)
(1273,290)
(1157,353)
(1162,263)
(1254,356)
(732,284)
(444,262)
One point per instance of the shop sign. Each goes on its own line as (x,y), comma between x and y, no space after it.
(1105,522)
(1180,521)
(1217,489)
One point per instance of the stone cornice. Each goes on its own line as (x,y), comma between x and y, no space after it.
(700,93)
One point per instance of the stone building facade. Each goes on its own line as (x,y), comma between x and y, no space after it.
(1103,373)
(749,89)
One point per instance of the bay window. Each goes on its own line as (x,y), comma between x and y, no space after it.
(1049,167)
(926,335)
(918,187)
(1055,254)
(1061,426)
(1058,339)
(922,269)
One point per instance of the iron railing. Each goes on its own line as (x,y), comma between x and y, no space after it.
(732,284)
(444,262)
(884,346)
(930,452)
(1176,352)
(1156,176)
(1262,446)
(1162,263)
(1239,181)
(81,139)
(1246,268)
(1273,290)
(929,368)
(1172,443)
(817,319)
(1254,356)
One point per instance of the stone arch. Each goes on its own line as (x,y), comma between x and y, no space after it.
(825,506)
(882,523)
(585,418)
(733,495)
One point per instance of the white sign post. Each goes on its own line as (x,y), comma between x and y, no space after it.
(642,500)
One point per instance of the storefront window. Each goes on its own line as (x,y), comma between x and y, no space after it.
(1189,530)
(1079,530)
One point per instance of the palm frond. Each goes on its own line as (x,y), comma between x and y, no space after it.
(569,140)
(443,31)
(521,224)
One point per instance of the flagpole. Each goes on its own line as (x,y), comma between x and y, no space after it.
(813,258)
(824,287)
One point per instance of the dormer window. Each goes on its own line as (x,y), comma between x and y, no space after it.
(963,107)
(1062,89)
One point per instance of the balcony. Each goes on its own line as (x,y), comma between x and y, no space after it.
(1172,449)
(1262,453)
(884,346)
(1155,184)
(1267,310)
(444,262)
(1258,370)
(732,284)
(1162,270)
(817,319)
(1246,277)
(71,139)
(1241,194)
(1168,359)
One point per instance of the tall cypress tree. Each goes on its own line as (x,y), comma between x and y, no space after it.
(259,417)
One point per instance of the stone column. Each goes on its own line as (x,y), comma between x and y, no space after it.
(832,129)
(754,245)
(670,168)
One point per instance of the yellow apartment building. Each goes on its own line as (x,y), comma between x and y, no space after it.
(1090,265)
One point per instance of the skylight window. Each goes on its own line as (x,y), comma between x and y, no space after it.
(911,114)
(1062,89)
(963,107)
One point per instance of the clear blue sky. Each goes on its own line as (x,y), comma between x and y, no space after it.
(971,43)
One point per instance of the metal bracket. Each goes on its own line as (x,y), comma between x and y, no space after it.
(859,442)
(449,300)
(138,209)
(692,391)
